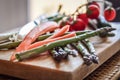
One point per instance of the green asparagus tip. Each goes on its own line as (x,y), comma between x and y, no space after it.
(109,29)
(95,59)
(87,60)
(56,55)
(110,34)
(106,32)
(74,53)
(62,52)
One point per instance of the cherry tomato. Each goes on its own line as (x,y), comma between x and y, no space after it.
(78,25)
(93,12)
(95,3)
(109,13)
(83,17)
(71,29)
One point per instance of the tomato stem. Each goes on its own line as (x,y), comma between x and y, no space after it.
(77,10)
(59,8)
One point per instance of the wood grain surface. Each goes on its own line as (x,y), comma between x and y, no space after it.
(109,70)
(45,68)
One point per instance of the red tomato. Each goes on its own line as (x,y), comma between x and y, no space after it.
(78,25)
(93,12)
(95,3)
(83,17)
(109,13)
(71,29)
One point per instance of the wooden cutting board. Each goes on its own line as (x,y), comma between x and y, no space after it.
(45,68)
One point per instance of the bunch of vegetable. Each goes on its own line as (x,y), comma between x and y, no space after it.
(59,44)
(91,18)
(62,35)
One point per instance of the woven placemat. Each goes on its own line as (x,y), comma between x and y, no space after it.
(110,70)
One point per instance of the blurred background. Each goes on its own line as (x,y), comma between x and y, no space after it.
(16,13)
(13,13)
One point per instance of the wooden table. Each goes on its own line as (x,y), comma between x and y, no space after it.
(44,68)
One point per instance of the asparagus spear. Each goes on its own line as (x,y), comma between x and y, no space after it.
(102,22)
(55,54)
(107,34)
(57,18)
(10,45)
(58,53)
(62,52)
(86,56)
(110,34)
(91,50)
(53,15)
(92,25)
(4,41)
(70,51)
(38,50)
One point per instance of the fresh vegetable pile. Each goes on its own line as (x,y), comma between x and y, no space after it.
(63,35)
